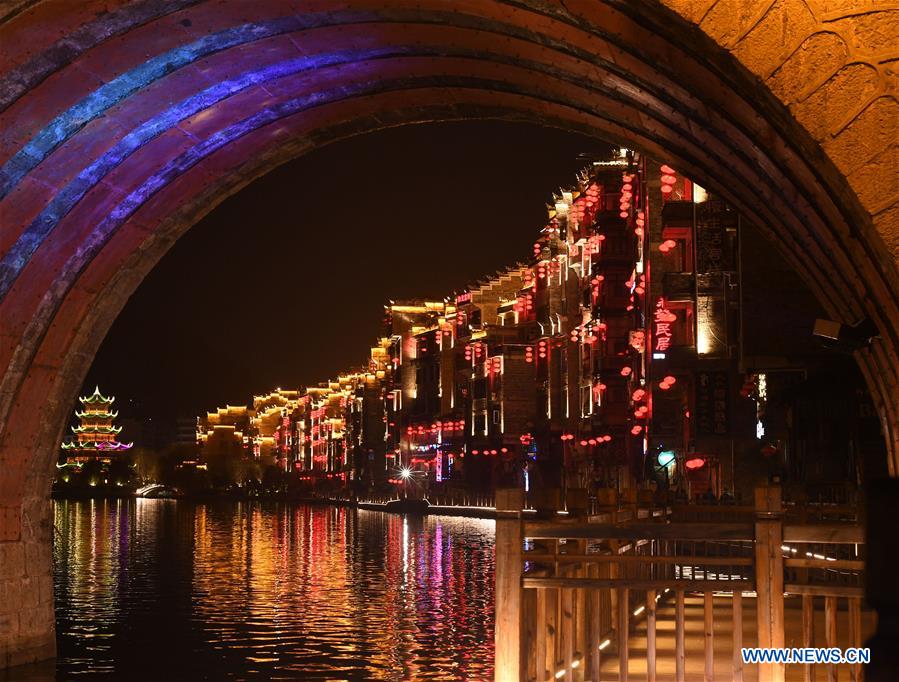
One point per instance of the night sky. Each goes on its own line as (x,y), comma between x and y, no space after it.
(284,284)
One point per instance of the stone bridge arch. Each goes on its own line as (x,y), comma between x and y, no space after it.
(122,122)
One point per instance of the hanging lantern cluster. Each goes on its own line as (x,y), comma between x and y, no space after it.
(542,348)
(490,452)
(474,350)
(494,365)
(598,440)
(669,178)
(436,427)
(667,245)
(524,304)
(566,436)
(667,382)
(627,193)
(529,354)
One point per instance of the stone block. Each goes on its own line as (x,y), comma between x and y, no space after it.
(9,625)
(38,556)
(28,593)
(10,595)
(12,560)
(45,590)
(34,622)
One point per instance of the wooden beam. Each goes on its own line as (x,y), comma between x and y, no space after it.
(689,560)
(657,531)
(832,533)
(825,590)
(836,564)
(601,583)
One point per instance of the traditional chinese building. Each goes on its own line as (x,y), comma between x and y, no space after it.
(96,433)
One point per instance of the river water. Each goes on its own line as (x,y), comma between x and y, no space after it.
(163,590)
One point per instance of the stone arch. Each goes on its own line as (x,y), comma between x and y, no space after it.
(123,121)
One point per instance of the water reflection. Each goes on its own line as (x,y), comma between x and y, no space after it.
(158,589)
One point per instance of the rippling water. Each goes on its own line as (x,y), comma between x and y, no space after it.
(160,589)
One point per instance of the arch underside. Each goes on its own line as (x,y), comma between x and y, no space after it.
(119,136)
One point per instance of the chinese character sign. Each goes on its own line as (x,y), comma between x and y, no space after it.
(663,331)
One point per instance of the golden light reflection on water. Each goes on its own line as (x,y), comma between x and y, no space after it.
(248,590)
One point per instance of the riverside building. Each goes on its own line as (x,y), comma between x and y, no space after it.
(614,357)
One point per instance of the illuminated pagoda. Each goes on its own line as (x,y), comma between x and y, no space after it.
(96,434)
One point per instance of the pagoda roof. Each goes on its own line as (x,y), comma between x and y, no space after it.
(97,415)
(97,445)
(96,397)
(97,429)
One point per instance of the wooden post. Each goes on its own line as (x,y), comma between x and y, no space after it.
(508,593)
(855,634)
(552,631)
(650,636)
(566,608)
(623,632)
(541,647)
(738,636)
(808,633)
(830,633)
(529,632)
(595,634)
(769,576)
(708,628)
(679,656)
(581,626)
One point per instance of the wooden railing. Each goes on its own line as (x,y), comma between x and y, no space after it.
(569,588)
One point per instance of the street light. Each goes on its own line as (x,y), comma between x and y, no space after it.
(405,473)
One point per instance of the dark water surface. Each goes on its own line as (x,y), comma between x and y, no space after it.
(164,590)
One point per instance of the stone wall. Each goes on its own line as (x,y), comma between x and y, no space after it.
(27,624)
(835,65)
